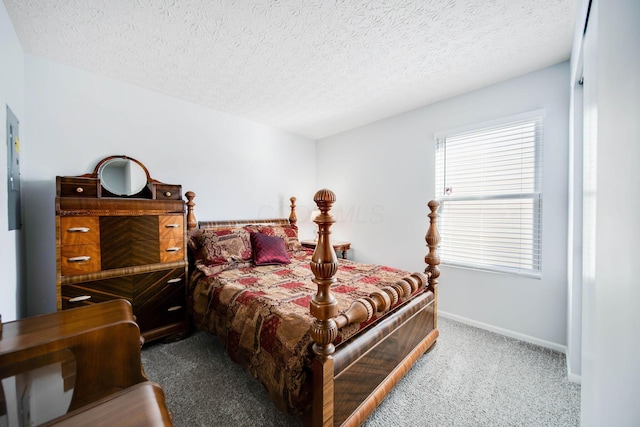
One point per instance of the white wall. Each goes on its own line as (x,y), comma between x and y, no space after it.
(236,167)
(383,176)
(611,319)
(11,94)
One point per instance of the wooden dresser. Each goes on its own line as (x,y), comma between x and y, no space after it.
(123,241)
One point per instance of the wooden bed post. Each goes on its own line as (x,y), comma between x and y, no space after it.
(324,308)
(293,219)
(432,259)
(191,218)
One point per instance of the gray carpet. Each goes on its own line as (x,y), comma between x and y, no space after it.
(471,378)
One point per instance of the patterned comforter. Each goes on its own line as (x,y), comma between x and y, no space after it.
(261,315)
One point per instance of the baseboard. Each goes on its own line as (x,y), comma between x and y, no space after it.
(506,332)
(574,378)
(571,376)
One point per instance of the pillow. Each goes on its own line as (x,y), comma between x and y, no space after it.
(220,246)
(268,250)
(288,233)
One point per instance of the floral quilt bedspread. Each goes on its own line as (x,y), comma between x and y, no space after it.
(261,315)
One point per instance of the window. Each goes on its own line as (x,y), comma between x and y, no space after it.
(489,183)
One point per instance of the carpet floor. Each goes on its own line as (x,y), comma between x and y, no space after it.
(472,377)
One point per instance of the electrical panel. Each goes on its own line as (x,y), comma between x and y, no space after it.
(13,170)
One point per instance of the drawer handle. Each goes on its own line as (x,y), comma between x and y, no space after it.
(167,194)
(78,230)
(174,280)
(80,298)
(79,258)
(79,190)
(174,249)
(174,308)
(172,225)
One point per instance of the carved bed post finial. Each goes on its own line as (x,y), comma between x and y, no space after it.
(293,219)
(191,218)
(433,241)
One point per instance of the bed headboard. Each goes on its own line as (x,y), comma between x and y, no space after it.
(192,223)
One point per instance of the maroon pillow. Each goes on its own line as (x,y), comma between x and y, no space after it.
(287,232)
(268,250)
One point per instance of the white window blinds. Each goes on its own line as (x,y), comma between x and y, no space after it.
(488,182)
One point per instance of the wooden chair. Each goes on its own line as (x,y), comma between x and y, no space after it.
(97,348)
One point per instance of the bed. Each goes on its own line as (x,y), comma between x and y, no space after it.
(328,338)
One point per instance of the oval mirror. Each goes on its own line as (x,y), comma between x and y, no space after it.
(122,176)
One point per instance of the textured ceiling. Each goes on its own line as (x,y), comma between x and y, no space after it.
(310,67)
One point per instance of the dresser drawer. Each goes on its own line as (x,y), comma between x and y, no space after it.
(79,230)
(78,187)
(167,191)
(79,259)
(171,249)
(171,226)
(167,307)
(78,295)
(137,288)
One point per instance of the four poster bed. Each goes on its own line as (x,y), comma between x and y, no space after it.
(328,338)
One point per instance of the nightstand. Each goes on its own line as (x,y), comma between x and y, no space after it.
(339,247)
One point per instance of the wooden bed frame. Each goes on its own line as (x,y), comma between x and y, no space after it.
(350,381)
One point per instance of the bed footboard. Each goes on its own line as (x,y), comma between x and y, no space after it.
(368,368)
(350,384)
